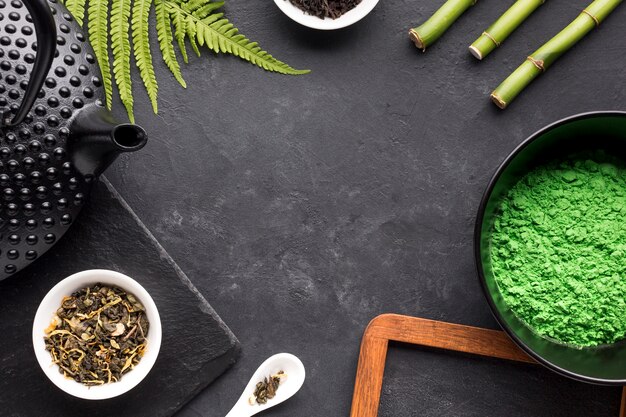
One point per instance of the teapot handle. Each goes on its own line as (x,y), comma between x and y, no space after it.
(46,31)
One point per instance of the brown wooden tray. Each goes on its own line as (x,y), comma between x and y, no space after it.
(455,337)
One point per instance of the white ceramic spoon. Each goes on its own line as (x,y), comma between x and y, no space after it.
(286,362)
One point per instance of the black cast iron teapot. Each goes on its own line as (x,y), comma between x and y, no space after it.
(56,135)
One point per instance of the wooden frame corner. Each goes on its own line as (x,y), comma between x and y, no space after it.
(454,337)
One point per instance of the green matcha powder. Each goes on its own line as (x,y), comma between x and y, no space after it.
(558,250)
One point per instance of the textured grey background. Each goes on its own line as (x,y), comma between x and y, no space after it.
(302,207)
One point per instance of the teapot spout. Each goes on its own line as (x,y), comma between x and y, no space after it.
(96,139)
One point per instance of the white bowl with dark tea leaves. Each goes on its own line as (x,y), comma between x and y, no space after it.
(97,334)
(309,19)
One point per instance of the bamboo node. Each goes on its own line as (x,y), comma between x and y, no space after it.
(497,100)
(415,37)
(494,40)
(538,63)
(476,52)
(595,19)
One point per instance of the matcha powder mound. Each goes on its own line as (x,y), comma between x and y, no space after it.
(558,250)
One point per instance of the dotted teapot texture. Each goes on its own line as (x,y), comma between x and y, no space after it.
(41,189)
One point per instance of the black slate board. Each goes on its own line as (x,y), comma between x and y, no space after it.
(196,348)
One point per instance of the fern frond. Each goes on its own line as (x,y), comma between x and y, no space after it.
(164,32)
(192,32)
(120,13)
(198,21)
(191,5)
(180,30)
(202,8)
(220,35)
(143,57)
(77,9)
(99,38)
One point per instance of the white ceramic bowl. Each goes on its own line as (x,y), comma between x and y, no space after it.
(347,19)
(51,303)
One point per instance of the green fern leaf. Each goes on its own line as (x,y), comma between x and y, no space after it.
(164,32)
(192,32)
(220,35)
(191,5)
(180,30)
(143,57)
(77,9)
(202,8)
(120,13)
(99,38)
(198,21)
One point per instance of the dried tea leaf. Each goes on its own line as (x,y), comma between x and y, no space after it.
(88,337)
(119,329)
(53,324)
(266,389)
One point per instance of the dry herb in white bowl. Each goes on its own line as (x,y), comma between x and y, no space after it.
(81,322)
(326,14)
(325,8)
(98,334)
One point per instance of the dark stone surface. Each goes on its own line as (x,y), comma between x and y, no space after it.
(301,207)
(430,383)
(196,347)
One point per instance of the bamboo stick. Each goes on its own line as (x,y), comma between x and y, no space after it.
(503,27)
(426,34)
(545,56)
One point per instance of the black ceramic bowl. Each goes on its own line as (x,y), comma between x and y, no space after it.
(590,131)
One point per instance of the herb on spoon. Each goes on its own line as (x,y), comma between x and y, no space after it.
(266,389)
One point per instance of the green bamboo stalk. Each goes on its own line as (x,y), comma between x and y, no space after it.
(426,34)
(545,56)
(503,27)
